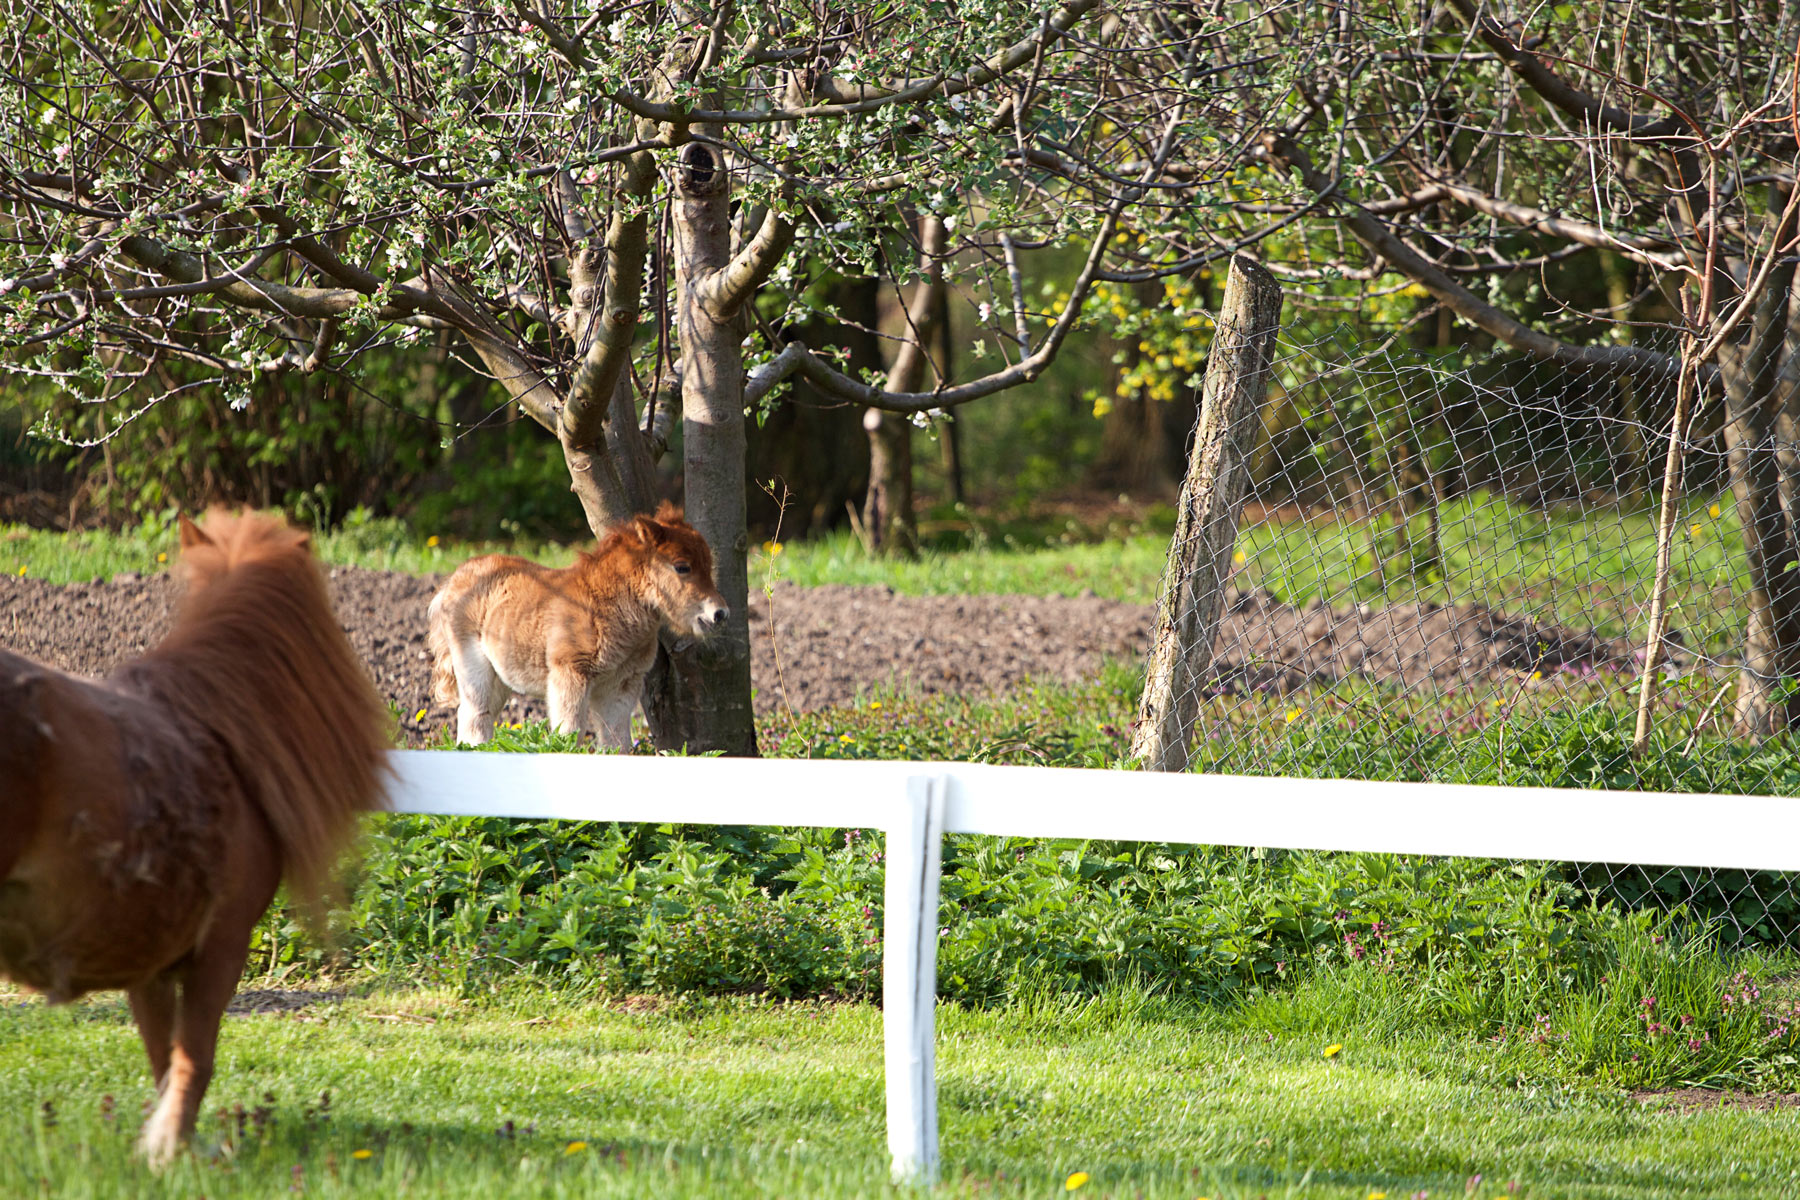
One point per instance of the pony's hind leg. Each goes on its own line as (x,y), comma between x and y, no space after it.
(207,983)
(153,1008)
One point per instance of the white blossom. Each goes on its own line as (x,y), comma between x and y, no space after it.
(59,260)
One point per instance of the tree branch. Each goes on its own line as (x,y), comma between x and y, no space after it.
(734,283)
(1585,109)
(868,98)
(1378,239)
(1638,249)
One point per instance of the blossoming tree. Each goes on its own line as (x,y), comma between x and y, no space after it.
(587,197)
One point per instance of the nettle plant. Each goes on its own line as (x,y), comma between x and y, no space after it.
(585,198)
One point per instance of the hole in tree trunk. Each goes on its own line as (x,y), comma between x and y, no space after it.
(702,173)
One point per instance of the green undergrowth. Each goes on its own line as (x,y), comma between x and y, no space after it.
(1555,959)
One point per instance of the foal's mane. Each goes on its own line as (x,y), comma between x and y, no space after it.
(256,657)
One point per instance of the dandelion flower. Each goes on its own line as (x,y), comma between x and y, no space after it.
(1293,714)
(1713,511)
(1238,558)
(575,1148)
(22,572)
(162,557)
(432,540)
(1331,1050)
(772,548)
(419,716)
(1074,1181)
(846,739)
(362,1154)
(874,705)
(1377,1196)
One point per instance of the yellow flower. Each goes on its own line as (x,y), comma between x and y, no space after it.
(162,557)
(1377,1196)
(1694,531)
(846,739)
(1294,714)
(419,716)
(1074,1181)
(432,540)
(1713,511)
(1536,675)
(1238,558)
(575,1148)
(1102,405)
(21,572)
(362,1154)
(874,705)
(1331,1050)
(772,548)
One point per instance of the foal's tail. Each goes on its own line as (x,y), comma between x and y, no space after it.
(437,641)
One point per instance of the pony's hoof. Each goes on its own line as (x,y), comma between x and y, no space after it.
(159,1147)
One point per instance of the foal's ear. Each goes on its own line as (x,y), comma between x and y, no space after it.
(647,530)
(191,534)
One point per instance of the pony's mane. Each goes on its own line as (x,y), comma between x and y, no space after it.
(257,657)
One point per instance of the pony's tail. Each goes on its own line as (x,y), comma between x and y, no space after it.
(437,641)
(26,744)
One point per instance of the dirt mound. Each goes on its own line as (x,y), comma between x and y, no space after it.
(835,643)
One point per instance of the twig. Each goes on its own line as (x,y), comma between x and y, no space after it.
(770,577)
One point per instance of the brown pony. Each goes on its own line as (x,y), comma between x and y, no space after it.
(581,638)
(145,820)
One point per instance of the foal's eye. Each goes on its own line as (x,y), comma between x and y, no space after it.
(682,568)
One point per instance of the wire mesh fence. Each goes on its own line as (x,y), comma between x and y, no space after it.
(1444,568)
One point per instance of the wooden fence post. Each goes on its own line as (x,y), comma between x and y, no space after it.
(1212,492)
(909,979)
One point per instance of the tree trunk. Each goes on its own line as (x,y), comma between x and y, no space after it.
(810,444)
(950,428)
(888,507)
(701,698)
(1187,617)
(1754,399)
(887,514)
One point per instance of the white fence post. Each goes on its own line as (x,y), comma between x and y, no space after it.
(909,978)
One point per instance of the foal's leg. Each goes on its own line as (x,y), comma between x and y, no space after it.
(480,694)
(566,696)
(615,720)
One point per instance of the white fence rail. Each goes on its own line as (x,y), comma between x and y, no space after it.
(917,803)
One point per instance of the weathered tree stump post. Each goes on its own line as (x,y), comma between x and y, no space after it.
(1212,492)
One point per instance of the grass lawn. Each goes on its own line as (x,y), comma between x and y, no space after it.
(544,1096)
(1587,568)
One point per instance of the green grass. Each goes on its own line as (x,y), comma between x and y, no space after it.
(1585,569)
(733,1099)
(383,545)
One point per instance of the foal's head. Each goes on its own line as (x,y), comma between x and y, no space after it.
(676,572)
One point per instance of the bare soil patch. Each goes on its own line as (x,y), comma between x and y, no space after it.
(1680,1101)
(838,643)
